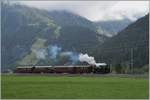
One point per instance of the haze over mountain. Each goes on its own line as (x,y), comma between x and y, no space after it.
(105,14)
(96,10)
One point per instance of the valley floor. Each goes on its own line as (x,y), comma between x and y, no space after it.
(73,87)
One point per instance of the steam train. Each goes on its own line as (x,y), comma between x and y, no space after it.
(101,69)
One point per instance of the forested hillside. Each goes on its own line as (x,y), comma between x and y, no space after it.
(130,47)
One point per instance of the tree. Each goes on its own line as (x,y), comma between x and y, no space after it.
(118,69)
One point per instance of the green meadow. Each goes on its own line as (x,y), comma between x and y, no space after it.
(73,87)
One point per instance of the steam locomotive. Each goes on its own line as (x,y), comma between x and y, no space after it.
(99,69)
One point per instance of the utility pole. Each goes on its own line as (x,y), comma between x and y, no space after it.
(132,59)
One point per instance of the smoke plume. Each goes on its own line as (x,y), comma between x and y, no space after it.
(74,57)
(87,58)
(40,53)
(54,50)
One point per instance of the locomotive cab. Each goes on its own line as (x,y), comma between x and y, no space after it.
(102,68)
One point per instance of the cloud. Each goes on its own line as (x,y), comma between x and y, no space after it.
(97,10)
(129,9)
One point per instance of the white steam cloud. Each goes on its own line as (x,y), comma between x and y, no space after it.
(86,58)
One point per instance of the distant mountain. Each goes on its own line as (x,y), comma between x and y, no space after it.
(129,44)
(106,28)
(112,27)
(72,21)
(65,18)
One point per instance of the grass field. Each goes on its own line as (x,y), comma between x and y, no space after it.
(81,87)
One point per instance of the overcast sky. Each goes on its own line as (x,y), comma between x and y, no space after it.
(97,10)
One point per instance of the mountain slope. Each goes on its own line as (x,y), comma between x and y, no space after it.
(79,38)
(111,28)
(21,26)
(65,18)
(129,46)
(71,21)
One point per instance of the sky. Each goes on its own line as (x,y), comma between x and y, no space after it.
(97,10)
